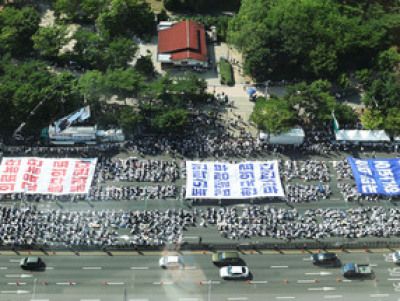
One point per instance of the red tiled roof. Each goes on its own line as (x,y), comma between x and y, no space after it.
(186,39)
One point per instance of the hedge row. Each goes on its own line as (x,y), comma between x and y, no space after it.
(226,72)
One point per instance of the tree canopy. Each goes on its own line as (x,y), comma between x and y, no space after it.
(25,85)
(310,38)
(127,18)
(273,116)
(16,29)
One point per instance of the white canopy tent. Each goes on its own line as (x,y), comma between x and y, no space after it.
(294,136)
(362,136)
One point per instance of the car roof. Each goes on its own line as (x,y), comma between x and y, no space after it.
(172,259)
(31,259)
(326,255)
(229,254)
(237,269)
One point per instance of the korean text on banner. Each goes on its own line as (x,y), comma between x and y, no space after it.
(33,175)
(376,176)
(220,180)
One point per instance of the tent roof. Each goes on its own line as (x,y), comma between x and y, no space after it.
(362,135)
(293,136)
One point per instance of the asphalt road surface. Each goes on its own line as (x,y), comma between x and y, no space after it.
(138,278)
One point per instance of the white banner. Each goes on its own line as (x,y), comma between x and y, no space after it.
(35,175)
(220,180)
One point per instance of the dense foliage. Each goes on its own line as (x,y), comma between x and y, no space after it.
(201,6)
(311,38)
(304,104)
(16,29)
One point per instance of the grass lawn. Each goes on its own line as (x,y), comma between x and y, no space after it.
(226,72)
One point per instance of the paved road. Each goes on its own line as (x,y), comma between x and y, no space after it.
(112,278)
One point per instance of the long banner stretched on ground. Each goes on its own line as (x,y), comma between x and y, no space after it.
(35,175)
(220,180)
(376,176)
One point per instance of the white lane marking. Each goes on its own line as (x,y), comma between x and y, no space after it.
(190,267)
(115,283)
(163,282)
(379,295)
(138,299)
(307,281)
(285,297)
(91,268)
(325,288)
(90,299)
(188,299)
(50,268)
(279,266)
(258,281)
(18,276)
(66,283)
(18,292)
(15,260)
(346,280)
(16,283)
(210,282)
(393,279)
(3,268)
(322,273)
(39,299)
(333,296)
(139,268)
(307,259)
(373,264)
(237,298)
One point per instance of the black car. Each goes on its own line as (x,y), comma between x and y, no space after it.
(329,259)
(32,263)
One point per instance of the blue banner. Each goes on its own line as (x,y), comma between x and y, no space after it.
(376,176)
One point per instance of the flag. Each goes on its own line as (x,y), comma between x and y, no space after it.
(335,123)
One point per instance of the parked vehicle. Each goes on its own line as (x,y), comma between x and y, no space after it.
(396,257)
(171,262)
(226,258)
(234,272)
(356,270)
(32,263)
(325,259)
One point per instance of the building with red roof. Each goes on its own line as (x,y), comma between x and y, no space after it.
(182,44)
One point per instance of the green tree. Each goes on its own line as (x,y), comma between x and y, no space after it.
(383,93)
(171,120)
(24,85)
(122,82)
(145,66)
(49,40)
(91,85)
(95,52)
(388,60)
(372,119)
(273,116)
(313,103)
(119,52)
(16,29)
(310,38)
(345,114)
(129,119)
(392,121)
(80,10)
(127,17)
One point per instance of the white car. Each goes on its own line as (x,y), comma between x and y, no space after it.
(171,262)
(396,257)
(234,272)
